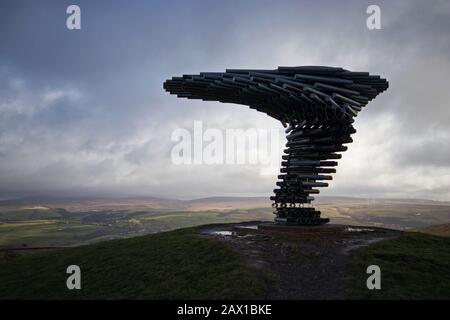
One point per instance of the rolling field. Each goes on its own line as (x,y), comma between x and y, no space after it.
(38,226)
(69,222)
(442,230)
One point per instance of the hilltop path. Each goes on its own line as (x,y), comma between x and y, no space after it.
(309,263)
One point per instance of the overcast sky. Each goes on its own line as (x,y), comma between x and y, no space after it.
(83,112)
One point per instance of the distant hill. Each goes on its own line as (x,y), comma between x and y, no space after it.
(442,230)
(218,203)
(50,221)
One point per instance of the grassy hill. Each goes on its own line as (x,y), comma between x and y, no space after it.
(415,266)
(183,264)
(172,265)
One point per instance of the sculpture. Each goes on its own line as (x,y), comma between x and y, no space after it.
(317,106)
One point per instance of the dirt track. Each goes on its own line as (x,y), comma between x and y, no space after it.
(306,263)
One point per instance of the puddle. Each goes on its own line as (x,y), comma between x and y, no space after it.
(247,236)
(221,233)
(238,231)
(225,233)
(252,227)
(350,229)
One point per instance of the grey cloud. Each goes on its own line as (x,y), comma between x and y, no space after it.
(428,152)
(85,113)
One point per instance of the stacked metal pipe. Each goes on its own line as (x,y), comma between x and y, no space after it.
(316,104)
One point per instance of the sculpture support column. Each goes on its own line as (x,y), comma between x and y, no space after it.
(306,165)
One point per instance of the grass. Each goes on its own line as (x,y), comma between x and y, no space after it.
(20,214)
(172,265)
(180,264)
(43,233)
(415,266)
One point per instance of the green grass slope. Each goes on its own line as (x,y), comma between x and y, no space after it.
(182,264)
(172,265)
(415,266)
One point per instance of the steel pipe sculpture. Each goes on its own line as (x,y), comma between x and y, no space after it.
(316,104)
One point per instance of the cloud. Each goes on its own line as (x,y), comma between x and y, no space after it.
(84,112)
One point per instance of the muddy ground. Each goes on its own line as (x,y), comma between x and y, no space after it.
(303,262)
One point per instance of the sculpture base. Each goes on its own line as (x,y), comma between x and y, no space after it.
(299,217)
(301,221)
(304,230)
